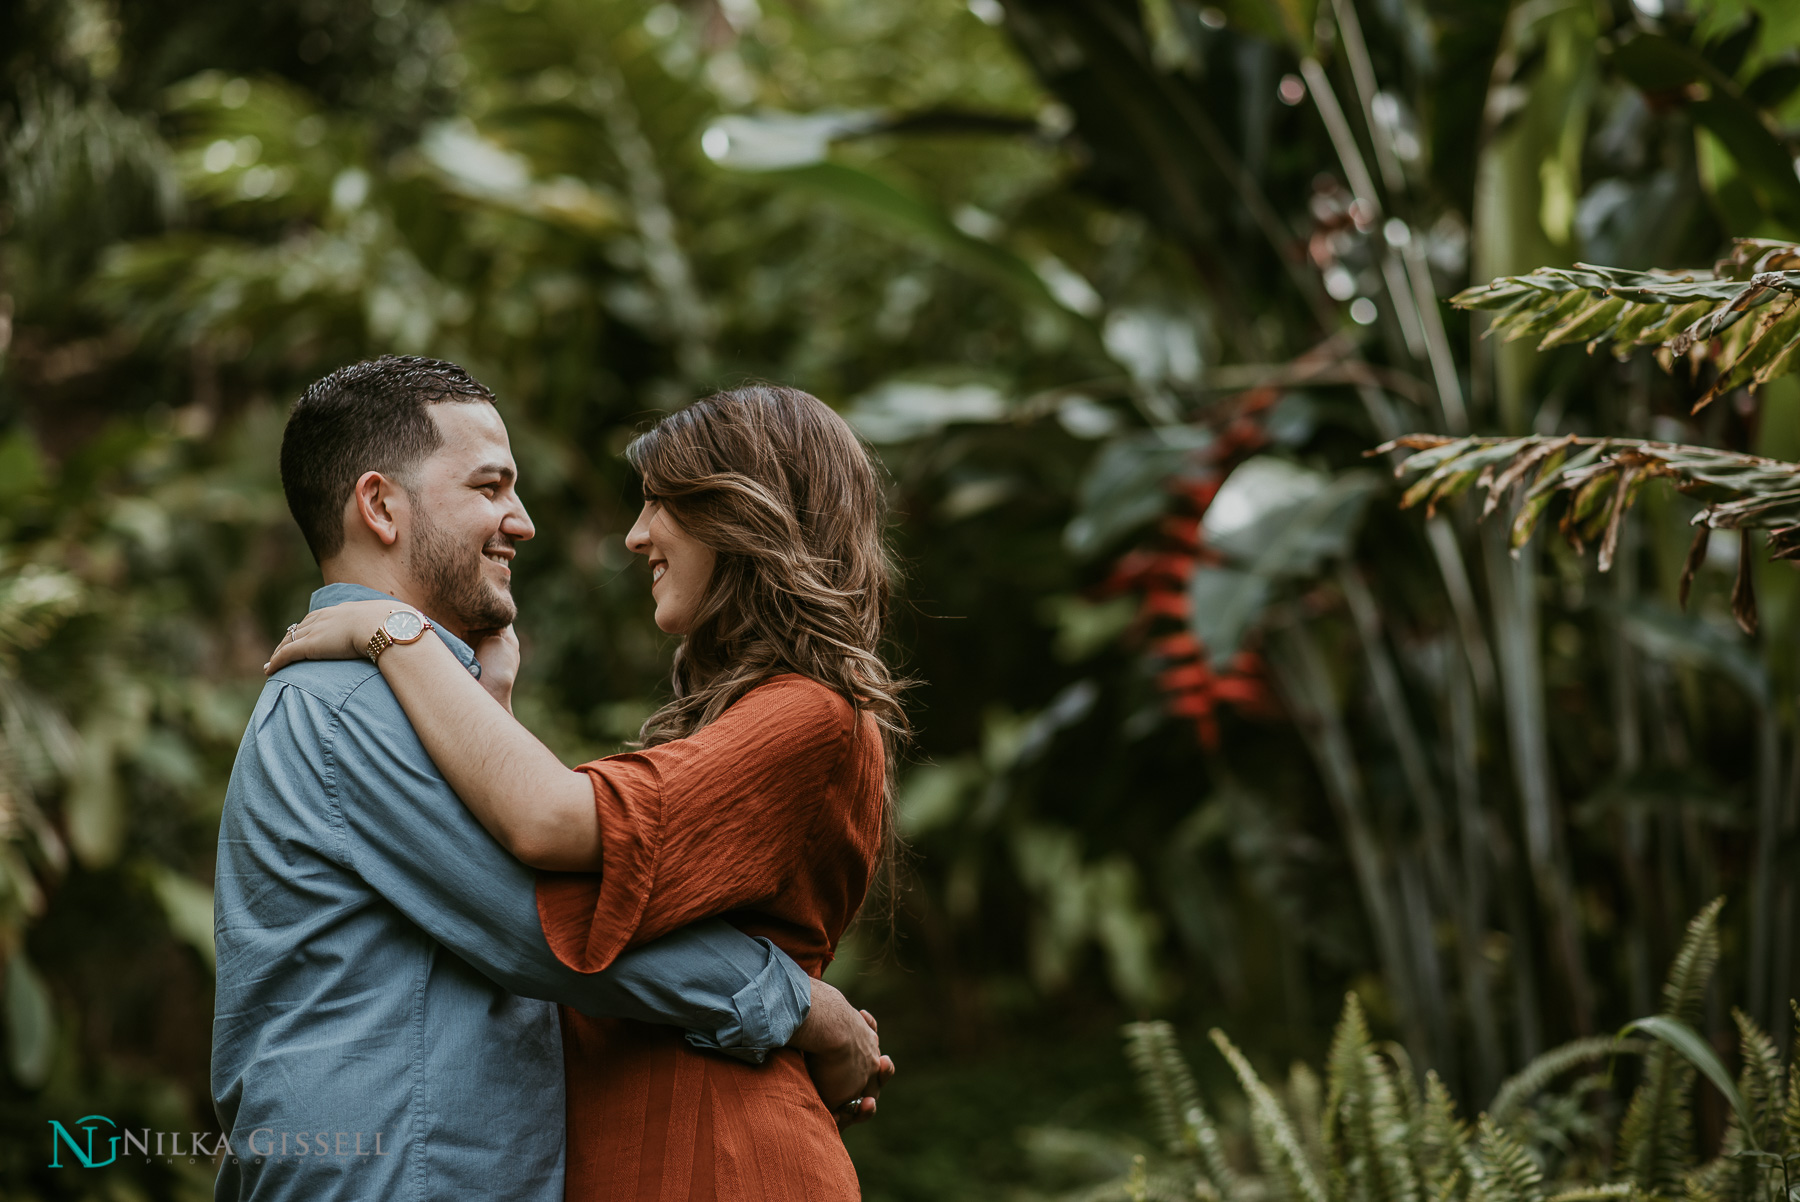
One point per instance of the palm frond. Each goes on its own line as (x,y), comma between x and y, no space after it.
(1743,315)
(1601,478)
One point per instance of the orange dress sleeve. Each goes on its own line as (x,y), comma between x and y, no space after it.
(702,826)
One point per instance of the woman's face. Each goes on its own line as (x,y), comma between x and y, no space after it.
(680,567)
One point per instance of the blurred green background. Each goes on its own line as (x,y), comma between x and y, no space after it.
(1106,282)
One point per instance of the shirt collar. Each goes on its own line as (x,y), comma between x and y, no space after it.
(337,594)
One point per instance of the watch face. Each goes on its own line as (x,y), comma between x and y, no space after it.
(403,626)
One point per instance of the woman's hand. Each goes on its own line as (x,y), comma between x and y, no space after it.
(498,653)
(335,632)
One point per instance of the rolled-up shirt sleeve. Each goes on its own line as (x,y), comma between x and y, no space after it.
(718,822)
(403,829)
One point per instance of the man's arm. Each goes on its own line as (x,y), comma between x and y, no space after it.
(409,837)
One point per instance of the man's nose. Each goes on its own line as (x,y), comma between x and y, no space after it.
(517,525)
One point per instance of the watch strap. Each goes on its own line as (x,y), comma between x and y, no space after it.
(381,640)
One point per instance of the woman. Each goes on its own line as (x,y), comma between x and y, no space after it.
(761,792)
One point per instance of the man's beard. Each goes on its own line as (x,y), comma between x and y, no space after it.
(452,578)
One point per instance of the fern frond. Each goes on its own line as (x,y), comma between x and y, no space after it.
(1404,1081)
(1523,1085)
(1714,1181)
(1657,1136)
(1165,1082)
(1790,1112)
(1500,1169)
(1734,1176)
(1306,1102)
(1181,1122)
(1438,1141)
(1365,1131)
(1149,1187)
(1760,1080)
(1288,1174)
(1594,1193)
(1693,966)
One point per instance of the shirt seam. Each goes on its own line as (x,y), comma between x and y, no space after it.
(420,1103)
(417,1115)
(334,808)
(334,706)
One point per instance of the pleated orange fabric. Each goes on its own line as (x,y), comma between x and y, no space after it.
(772,818)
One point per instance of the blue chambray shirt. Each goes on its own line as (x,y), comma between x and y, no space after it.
(381,970)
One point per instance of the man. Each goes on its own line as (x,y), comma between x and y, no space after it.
(383,1025)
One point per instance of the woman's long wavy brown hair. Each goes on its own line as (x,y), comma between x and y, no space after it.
(789,499)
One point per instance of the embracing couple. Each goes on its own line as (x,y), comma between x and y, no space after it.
(451,967)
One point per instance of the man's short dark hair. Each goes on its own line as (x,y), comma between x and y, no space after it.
(369,417)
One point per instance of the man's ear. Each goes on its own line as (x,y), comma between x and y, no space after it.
(379,505)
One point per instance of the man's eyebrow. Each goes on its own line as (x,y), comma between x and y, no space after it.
(504,471)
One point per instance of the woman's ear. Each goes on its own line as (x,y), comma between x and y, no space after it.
(379,505)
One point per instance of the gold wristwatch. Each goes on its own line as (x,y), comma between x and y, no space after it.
(400,626)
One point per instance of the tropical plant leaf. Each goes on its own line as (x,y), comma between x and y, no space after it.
(1602,478)
(1127,485)
(1677,312)
(1269,537)
(30,1022)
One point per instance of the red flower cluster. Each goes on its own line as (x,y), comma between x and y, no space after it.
(1192,686)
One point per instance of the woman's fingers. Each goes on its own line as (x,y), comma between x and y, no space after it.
(335,632)
(850,1114)
(302,641)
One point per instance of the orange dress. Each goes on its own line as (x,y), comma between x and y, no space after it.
(772,818)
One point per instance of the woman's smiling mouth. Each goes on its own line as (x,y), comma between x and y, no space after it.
(656,572)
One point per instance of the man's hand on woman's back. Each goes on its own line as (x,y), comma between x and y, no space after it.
(843,1054)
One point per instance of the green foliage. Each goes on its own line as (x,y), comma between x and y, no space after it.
(1698,314)
(1600,479)
(1656,1137)
(1365,1128)
(1382,1137)
(1517,1090)
(1203,729)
